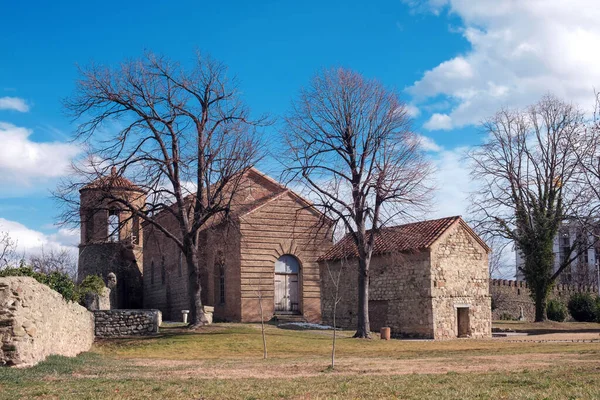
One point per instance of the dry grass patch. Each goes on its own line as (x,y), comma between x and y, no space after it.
(224,361)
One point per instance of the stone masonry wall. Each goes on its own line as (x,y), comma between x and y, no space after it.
(115,323)
(509,296)
(35,322)
(399,294)
(459,278)
(283,226)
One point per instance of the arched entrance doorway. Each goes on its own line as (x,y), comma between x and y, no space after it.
(287,269)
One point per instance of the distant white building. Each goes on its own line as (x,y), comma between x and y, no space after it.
(582,271)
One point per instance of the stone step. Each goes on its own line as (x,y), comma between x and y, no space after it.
(289,318)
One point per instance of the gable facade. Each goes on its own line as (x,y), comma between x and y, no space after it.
(238,259)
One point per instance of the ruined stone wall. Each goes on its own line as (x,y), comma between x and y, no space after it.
(122,260)
(460,279)
(399,294)
(115,323)
(35,322)
(99,256)
(509,296)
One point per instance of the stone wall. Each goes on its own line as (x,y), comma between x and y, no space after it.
(459,278)
(282,226)
(399,294)
(35,322)
(509,297)
(121,259)
(417,294)
(115,323)
(247,249)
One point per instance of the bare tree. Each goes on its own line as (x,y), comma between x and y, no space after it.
(530,185)
(335,278)
(351,146)
(48,261)
(182,135)
(8,249)
(258,290)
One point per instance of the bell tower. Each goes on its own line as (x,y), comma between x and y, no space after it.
(112,236)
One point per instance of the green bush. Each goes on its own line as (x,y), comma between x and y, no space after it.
(63,284)
(582,307)
(58,281)
(91,284)
(556,310)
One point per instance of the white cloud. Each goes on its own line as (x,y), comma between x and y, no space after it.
(453,186)
(438,122)
(23,160)
(31,242)
(428,144)
(13,103)
(520,50)
(412,110)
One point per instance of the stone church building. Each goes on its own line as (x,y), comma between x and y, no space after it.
(267,252)
(428,279)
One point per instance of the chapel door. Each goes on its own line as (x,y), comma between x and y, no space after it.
(286,282)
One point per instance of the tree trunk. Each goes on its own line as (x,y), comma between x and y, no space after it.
(363,329)
(334,333)
(262,327)
(195,289)
(540,304)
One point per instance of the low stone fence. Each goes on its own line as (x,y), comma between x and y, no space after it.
(35,322)
(509,297)
(115,323)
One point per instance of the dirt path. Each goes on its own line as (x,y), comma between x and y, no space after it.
(351,366)
(555,337)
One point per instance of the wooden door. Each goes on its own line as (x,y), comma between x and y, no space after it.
(286,292)
(292,284)
(462,316)
(280,293)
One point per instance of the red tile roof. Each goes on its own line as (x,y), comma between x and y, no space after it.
(112,181)
(401,238)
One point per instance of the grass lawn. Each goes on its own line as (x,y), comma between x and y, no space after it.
(225,361)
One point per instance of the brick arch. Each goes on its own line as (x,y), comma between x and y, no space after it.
(287,247)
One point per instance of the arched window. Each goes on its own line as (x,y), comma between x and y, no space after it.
(136,230)
(113,226)
(287,264)
(89,225)
(222,284)
(152,271)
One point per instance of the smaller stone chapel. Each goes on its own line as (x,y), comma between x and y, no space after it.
(428,279)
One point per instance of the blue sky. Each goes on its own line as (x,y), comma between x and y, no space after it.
(454,61)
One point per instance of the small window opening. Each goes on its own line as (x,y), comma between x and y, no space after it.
(163,270)
(113,226)
(136,230)
(89,225)
(152,271)
(222,284)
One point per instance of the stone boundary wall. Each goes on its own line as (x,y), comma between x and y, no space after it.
(509,296)
(35,322)
(116,323)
